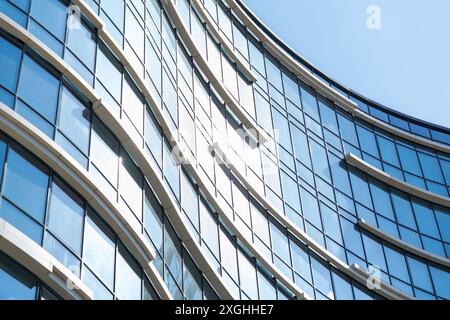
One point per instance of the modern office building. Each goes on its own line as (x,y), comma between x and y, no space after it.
(179,150)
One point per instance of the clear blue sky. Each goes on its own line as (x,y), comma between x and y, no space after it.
(405,65)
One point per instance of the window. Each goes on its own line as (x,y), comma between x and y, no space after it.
(65,216)
(25,174)
(300,261)
(290,191)
(431,168)
(128,276)
(328,116)
(172,254)
(83,44)
(153,136)
(263,112)
(441,281)
(388,151)
(192,280)
(209,229)
(10,61)
(425,219)
(248,277)
(105,152)
(280,245)
(320,161)
(45,99)
(420,274)
(360,189)
(16,282)
(301,147)
(153,219)
(99,249)
(367,140)
(381,200)
(291,89)
(322,278)
(397,264)
(403,210)
(347,130)
(133,104)
(309,102)
(311,208)
(115,11)
(109,71)
(374,253)
(171,171)
(189,200)
(131,184)
(331,222)
(56,24)
(408,158)
(343,289)
(134,34)
(74,120)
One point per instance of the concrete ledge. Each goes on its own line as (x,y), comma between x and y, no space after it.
(445,262)
(384,289)
(49,270)
(212,28)
(394,182)
(341,100)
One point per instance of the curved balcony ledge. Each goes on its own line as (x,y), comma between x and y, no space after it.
(33,257)
(341,100)
(404,245)
(291,227)
(254,130)
(394,182)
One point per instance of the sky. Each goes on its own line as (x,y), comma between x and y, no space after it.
(404,64)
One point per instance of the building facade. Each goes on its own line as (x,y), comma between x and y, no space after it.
(179,150)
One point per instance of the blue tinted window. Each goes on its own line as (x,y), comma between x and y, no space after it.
(374,253)
(22,174)
(311,208)
(74,120)
(128,276)
(441,281)
(66,214)
(388,151)
(425,219)
(83,43)
(381,200)
(322,278)
(367,140)
(360,189)
(348,131)
(430,167)
(443,219)
(403,210)
(109,72)
(99,249)
(396,264)
(130,182)
(45,99)
(10,61)
(290,191)
(300,146)
(309,102)
(16,282)
(320,161)
(420,274)
(408,158)
(342,288)
(56,22)
(328,116)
